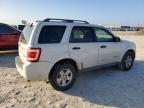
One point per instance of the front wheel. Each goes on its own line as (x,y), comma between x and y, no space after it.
(63,77)
(127,61)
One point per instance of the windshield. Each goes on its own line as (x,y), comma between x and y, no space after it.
(26,33)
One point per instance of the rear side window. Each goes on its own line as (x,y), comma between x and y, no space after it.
(51,34)
(6,30)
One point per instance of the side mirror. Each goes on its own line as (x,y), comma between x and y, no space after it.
(117,39)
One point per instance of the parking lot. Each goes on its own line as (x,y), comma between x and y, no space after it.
(107,87)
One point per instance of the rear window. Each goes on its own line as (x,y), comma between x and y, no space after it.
(4,29)
(51,34)
(26,33)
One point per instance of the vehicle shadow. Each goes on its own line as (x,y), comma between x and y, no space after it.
(111,87)
(7,58)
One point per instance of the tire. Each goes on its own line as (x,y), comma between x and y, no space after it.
(63,77)
(127,61)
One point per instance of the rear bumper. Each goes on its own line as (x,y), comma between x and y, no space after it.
(33,71)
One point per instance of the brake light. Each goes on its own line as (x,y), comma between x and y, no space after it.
(33,54)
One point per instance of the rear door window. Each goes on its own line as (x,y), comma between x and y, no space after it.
(51,34)
(82,34)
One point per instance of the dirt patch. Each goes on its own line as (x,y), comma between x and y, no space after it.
(138,33)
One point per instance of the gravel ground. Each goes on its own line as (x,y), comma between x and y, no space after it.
(103,88)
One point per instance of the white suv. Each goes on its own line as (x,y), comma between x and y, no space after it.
(57,49)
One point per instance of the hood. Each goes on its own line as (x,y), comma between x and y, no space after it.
(129,43)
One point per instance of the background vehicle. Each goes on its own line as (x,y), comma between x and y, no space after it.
(21,27)
(57,50)
(9,37)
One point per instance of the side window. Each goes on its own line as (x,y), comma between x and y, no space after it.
(103,35)
(82,34)
(51,34)
(6,30)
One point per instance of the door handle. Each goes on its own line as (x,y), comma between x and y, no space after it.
(76,48)
(103,46)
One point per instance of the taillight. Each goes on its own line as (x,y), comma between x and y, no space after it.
(33,54)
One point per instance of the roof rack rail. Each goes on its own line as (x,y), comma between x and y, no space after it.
(65,20)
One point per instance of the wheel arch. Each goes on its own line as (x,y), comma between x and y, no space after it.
(132,51)
(62,61)
(129,50)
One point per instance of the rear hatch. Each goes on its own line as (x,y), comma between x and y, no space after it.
(24,41)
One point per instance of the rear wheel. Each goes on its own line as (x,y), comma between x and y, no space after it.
(127,61)
(63,77)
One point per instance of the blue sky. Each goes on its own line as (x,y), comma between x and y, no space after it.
(104,12)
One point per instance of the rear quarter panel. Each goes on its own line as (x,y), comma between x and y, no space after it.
(52,52)
(9,40)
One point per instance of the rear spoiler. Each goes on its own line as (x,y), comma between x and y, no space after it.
(24,22)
